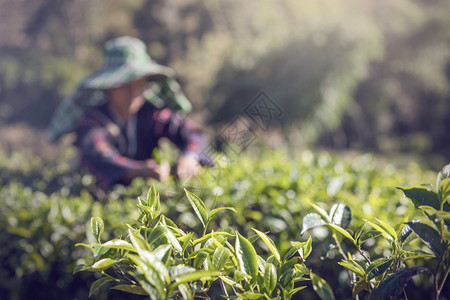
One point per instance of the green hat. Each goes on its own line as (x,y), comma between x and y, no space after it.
(125,60)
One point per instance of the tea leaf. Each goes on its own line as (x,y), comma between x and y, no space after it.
(246,255)
(421,196)
(321,287)
(341,215)
(270,277)
(198,206)
(429,235)
(97,227)
(270,244)
(130,288)
(394,284)
(310,221)
(353,266)
(95,286)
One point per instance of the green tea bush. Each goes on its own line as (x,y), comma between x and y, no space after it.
(46,209)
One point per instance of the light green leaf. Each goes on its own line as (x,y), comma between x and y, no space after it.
(130,288)
(321,212)
(138,241)
(156,233)
(199,207)
(310,221)
(173,240)
(98,283)
(216,210)
(151,273)
(353,266)
(343,232)
(270,244)
(250,295)
(389,229)
(270,277)
(210,235)
(321,287)
(220,257)
(246,256)
(103,264)
(306,250)
(197,275)
(119,244)
(153,199)
(97,227)
(444,190)
(380,229)
(291,251)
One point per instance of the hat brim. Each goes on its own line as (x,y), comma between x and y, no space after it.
(107,78)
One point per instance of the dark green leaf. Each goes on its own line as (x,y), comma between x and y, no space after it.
(97,284)
(360,286)
(156,233)
(378,267)
(310,221)
(429,235)
(321,287)
(200,258)
(406,231)
(421,196)
(341,215)
(130,288)
(394,284)
(369,235)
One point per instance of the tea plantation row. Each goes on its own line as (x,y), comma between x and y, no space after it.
(47,209)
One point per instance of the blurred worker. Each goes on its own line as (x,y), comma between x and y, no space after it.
(120,112)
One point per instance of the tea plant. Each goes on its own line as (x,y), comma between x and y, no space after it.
(386,277)
(162,261)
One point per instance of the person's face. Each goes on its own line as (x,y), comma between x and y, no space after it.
(128,98)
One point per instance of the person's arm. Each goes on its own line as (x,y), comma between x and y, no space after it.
(185,135)
(109,167)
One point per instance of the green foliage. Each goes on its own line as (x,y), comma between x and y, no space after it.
(44,215)
(386,277)
(162,261)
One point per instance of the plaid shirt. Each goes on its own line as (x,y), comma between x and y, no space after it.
(164,92)
(109,148)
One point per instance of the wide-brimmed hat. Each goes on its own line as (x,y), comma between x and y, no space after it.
(125,59)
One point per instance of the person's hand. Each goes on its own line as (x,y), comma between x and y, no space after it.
(160,172)
(187,166)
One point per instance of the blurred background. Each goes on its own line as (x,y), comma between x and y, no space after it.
(355,74)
